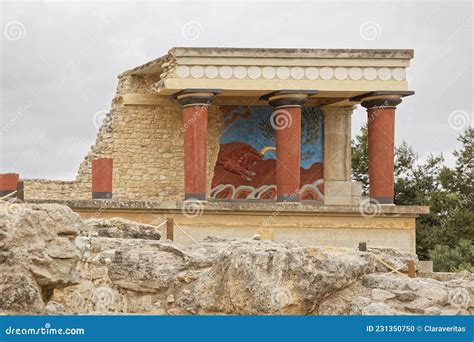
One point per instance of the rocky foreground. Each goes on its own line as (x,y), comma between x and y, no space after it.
(52,262)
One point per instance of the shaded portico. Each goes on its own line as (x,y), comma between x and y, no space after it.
(287,79)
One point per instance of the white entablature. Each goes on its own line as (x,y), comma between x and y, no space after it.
(340,74)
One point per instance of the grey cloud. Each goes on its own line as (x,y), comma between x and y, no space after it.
(64,69)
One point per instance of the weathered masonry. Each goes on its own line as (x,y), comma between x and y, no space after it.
(258,139)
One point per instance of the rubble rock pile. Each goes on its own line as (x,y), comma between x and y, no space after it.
(53,262)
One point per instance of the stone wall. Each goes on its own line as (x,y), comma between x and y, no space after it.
(55,189)
(146,144)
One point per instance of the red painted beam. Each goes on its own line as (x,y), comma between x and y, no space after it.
(102,171)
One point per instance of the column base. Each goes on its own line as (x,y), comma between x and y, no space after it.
(288,198)
(6,192)
(101,195)
(383,200)
(196,197)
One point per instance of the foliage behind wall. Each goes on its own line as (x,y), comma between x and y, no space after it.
(446,235)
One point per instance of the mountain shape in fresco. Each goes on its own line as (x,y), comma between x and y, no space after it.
(243,167)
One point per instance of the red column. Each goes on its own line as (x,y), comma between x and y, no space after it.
(102,169)
(381,148)
(286,121)
(8,183)
(195,110)
(195,151)
(288,151)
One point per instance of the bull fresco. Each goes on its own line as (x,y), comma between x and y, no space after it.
(245,167)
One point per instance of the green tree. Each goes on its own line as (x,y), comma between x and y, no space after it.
(360,160)
(453,259)
(448,192)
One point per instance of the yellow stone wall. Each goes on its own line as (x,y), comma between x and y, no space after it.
(307,228)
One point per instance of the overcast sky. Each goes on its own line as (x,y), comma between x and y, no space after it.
(60,61)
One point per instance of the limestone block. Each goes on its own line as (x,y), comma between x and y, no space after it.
(337,193)
(357,197)
(357,200)
(337,143)
(266,233)
(338,200)
(356,188)
(338,188)
(426,266)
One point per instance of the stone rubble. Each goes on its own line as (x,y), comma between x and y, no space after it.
(53,262)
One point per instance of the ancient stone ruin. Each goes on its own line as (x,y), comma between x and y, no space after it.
(54,262)
(220,183)
(237,142)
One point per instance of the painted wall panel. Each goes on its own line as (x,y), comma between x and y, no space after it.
(245,167)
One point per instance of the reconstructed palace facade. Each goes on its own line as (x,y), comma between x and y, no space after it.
(234,142)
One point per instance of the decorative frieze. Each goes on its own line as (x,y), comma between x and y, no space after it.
(327,73)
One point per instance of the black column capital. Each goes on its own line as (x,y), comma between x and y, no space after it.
(288,98)
(193,97)
(381,102)
(382,98)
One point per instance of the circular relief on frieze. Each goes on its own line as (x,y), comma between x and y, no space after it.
(254,72)
(225,72)
(197,71)
(182,71)
(341,73)
(370,74)
(211,71)
(268,72)
(283,73)
(240,72)
(311,73)
(326,73)
(355,73)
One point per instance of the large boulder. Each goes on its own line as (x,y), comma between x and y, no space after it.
(246,276)
(117,227)
(394,294)
(37,253)
(263,277)
(19,292)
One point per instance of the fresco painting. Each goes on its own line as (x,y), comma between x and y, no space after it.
(245,167)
